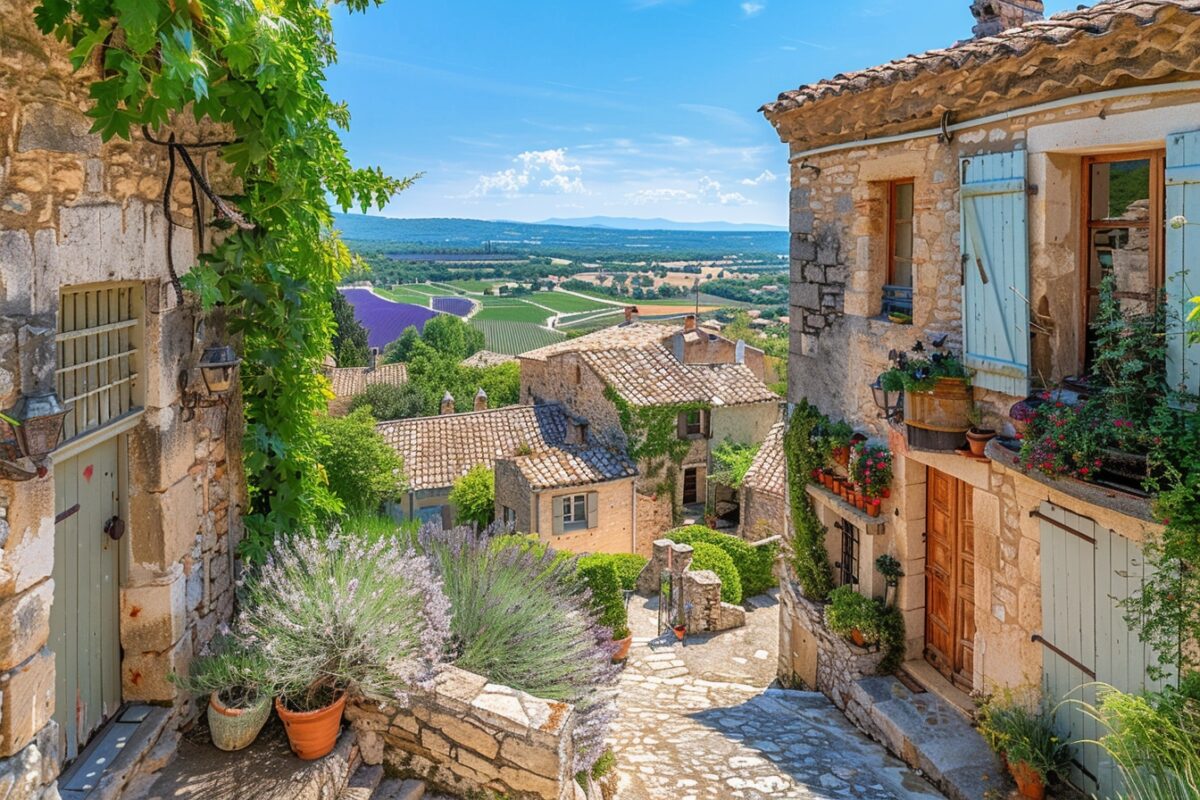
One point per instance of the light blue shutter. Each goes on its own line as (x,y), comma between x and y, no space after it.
(995,247)
(1183,257)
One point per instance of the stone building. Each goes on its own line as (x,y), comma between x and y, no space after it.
(117,548)
(968,195)
(552,477)
(717,383)
(347,383)
(763,492)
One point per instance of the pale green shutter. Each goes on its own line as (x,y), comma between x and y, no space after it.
(995,249)
(556,508)
(593,509)
(1182,258)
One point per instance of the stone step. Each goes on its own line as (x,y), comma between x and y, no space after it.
(398,789)
(363,783)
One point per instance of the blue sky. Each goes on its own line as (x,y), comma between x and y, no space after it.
(529,109)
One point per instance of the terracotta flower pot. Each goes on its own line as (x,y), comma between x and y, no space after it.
(623,645)
(873,508)
(313,734)
(680,631)
(857,637)
(235,728)
(841,455)
(860,501)
(1029,783)
(977,439)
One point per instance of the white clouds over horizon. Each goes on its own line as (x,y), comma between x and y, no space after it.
(550,170)
(766,176)
(707,192)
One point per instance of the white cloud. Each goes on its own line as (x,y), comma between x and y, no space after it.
(750,9)
(712,189)
(644,196)
(707,192)
(547,169)
(766,176)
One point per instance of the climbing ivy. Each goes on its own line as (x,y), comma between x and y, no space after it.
(804,451)
(652,433)
(257,71)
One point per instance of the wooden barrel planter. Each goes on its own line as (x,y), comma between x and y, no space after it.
(938,419)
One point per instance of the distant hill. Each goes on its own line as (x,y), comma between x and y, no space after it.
(580,242)
(659,224)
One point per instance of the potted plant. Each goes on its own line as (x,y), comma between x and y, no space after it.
(680,631)
(937,394)
(337,616)
(874,506)
(837,441)
(871,468)
(1022,734)
(889,567)
(978,436)
(234,677)
(852,615)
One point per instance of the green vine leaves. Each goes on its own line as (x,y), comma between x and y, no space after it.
(256,70)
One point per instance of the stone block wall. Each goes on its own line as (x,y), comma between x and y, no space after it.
(763,515)
(473,739)
(699,592)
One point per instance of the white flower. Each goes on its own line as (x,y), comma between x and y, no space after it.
(1178,222)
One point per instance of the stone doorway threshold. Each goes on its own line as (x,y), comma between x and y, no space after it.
(113,754)
(929,679)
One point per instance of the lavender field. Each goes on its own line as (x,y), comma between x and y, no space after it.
(384,319)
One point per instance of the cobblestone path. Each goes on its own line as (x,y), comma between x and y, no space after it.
(682,736)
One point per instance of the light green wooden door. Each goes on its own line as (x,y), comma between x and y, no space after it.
(1087,572)
(84,623)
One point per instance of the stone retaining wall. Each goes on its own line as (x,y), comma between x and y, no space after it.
(700,592)
(473,738)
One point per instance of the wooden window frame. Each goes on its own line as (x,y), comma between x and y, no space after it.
(568,501)
(697,430)
(892,186)
(1157,222)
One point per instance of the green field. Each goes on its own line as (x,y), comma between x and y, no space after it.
(514,338)
(467,285)
(566,303)
(404,295)
(496,310)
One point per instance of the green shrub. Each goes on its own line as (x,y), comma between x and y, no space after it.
(629,566)
(754,564)
(1152,739)
(600,576)
(1024,732)
(387,401)
(709,556)
(806,449)
(362,470)
(474,496)
(848,611)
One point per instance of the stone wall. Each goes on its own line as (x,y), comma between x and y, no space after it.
(699,592)
(76,212)
(811,656)
(763,515)
(474,739)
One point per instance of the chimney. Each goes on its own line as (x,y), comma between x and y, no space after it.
(994,16)
(689,323)
(631,314)
(577,431)
(481,400)
(739,352)
(373,358)
(447,403)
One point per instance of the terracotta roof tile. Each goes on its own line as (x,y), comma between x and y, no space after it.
(486,358)
(632,335)
(768,472)
(352,381)
(570,465)
(652,376)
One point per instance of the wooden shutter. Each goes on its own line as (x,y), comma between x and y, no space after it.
(593,509)
(706,424)
(1182,258)
(556,509)
(995,252)
(681,425)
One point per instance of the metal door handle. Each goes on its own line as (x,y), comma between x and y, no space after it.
(115,527)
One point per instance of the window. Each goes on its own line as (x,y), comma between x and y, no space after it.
(848,565)
(508,516)
(578,375)
(694,424)
(897,293)
(1123,232)
(574,511)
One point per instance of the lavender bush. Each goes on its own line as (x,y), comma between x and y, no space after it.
(520,618)
(345,614)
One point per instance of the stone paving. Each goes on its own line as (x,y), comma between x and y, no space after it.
(700,720)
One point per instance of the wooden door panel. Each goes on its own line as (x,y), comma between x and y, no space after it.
(950,578)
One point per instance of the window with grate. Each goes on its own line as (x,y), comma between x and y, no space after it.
(99,333)
(848,565)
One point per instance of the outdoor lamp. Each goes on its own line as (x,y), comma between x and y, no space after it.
(36,422)
(218,368)
(887,402)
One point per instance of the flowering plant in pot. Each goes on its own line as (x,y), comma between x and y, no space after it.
(235,679)
(852,615)
(339,616)
(979,434)
(871,468)
(1021,731)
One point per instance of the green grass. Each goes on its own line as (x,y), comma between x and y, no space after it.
(468,285)
(565,303)
(404,296)
(510,311)
(514,338)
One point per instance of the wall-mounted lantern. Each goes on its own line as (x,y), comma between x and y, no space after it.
(35,425)
(887,402)
(218,367)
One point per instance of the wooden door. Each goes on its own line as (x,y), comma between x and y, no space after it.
(691,486)
(950,578)
(84,622)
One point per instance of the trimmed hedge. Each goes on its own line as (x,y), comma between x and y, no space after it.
(755,565)
(600,575)
(709,556)
(629,566)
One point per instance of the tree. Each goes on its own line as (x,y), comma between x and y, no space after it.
(362,469)
(401,350)
(350,347)
(452,337)
(502,382)
(474,496)
(387,401)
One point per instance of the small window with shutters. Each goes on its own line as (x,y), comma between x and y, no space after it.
(99,339)
(575,512)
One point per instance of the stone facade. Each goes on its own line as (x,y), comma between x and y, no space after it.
(474,739)
(80,213)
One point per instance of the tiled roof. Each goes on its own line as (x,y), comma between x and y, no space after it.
(574,466)
(439,450)
(1059,30)
(486,358)
(632,335)
(768,472)
(353,381)
(652,376)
